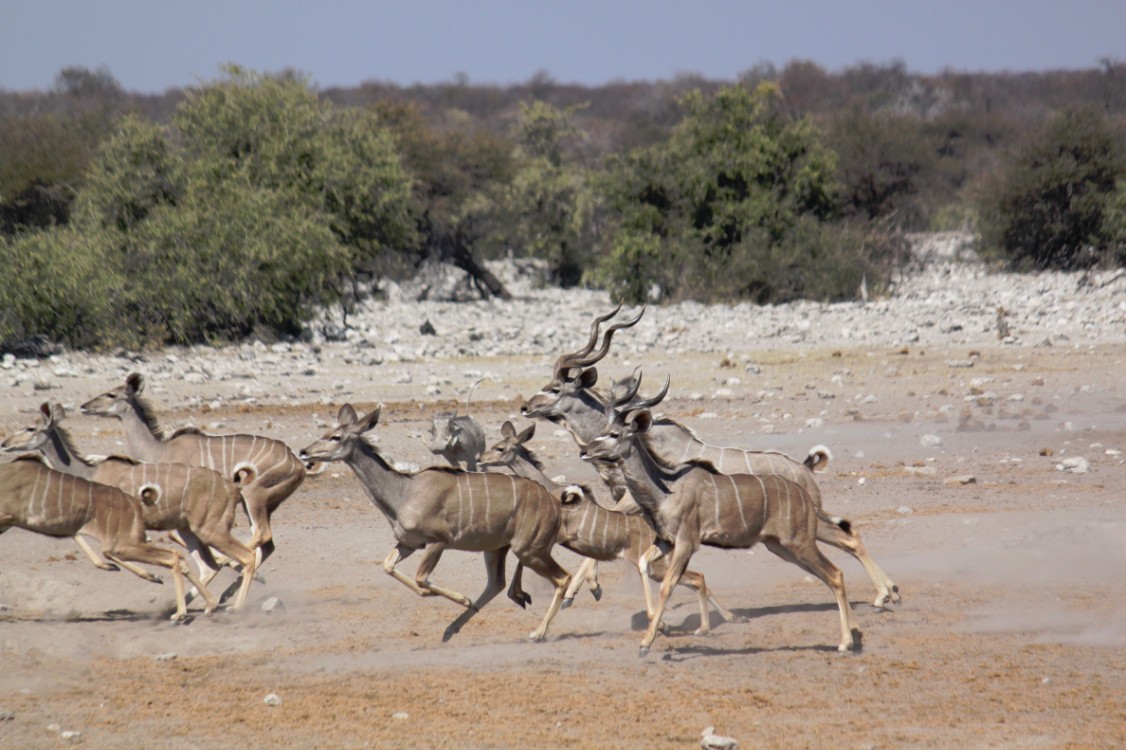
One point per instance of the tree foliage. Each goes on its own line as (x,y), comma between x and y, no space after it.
(1052,206)
(734,206)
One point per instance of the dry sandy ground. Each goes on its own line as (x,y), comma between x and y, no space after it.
(1011,632)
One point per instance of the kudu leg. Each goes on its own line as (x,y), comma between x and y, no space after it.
(153,555)
(810,559)
(678,563)
(849,541)
(206,565)
(101,564)
(494,565)
(546,566)
(261,535)
(420,585)
(222,540)
(587,573)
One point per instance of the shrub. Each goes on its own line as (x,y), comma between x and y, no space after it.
(1050,208)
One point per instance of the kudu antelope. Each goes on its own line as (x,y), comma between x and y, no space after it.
(197,503)
(692,504)
(569,398)
(35,497)
(266,470)
(443,508)
(674,442)
(590,530)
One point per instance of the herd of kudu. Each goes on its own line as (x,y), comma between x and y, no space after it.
(673,493)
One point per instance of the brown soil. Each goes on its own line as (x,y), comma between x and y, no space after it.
(1011,631)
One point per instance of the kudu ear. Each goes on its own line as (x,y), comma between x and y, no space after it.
(45,412)
(54,413)
(589,377)
(507,431)
(371,419)
(527,434)
(135,383)
(346,416)
(642,420)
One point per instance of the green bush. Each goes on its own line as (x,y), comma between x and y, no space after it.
(60,284)
(736,206)
(1050,208)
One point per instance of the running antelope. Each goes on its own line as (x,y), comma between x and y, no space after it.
(266,470)
(692,504)
(197,503)
(35,497)
(593,531)
(569,398)
(674,442)
(442,508)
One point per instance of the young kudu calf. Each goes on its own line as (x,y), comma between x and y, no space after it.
(692,504)
(443,508)
(35,497)
(593,531)
(197,503)
(569,398)
(266,470)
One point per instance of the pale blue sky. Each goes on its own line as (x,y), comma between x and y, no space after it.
(151,45)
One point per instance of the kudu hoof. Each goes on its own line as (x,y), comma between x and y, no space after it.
(566,603)
(596,592)
(643,652)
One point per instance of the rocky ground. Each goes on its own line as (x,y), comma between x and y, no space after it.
(984,469)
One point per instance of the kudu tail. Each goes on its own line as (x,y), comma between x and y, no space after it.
(818,458)
(842,523)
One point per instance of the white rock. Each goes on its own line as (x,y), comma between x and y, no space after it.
(1074,465)
(272,699)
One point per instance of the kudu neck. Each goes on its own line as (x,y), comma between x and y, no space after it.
(386,486)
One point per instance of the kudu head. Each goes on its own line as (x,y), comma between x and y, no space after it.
(622,427)
(574,372)
(117,402)
(35,436)
(339,443)
(507,449)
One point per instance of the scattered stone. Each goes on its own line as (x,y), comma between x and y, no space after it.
(169,656)
(71,736)
(400,716)
(273,606)
(960,363)
(7,715)
(961,479)
(921,471)
(1074,465)
(713,741)
(427,328)
(272,699)
(930,441)
(904,510)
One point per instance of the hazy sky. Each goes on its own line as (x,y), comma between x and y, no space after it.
(152,45)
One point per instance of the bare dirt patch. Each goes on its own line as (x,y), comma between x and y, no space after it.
(1011,633)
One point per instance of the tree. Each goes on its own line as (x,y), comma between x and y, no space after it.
(884,162)
(457,175)
(1050,208)
(550,206)
(734,206)
(272,132)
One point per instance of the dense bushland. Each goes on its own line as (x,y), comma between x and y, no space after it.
(239,206)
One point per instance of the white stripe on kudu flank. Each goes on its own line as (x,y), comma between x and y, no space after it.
(738,500)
